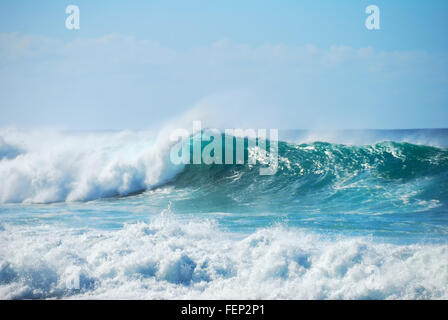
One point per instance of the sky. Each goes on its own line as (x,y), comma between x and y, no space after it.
(272,64)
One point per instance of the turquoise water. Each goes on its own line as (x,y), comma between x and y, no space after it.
(363,215)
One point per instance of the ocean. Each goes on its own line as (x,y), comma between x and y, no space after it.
(351,214)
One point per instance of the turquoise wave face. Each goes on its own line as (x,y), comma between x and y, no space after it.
(312,168)
(383,188)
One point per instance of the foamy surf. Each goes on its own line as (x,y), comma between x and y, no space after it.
(167,258)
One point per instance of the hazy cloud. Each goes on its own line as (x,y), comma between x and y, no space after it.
(118,81)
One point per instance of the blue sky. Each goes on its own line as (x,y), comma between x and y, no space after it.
(287,64)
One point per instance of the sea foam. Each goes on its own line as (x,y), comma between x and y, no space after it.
(169,258)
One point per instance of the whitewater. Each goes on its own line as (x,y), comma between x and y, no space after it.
(348,215)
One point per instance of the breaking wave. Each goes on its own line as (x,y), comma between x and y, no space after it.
(82,167)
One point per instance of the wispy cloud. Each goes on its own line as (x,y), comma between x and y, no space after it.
(115,73)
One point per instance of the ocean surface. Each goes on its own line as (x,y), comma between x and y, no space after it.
(359,214)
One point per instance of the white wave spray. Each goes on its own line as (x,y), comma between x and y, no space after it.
(48,166)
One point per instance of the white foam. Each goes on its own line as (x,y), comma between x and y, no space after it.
(55,166)
(171,259)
